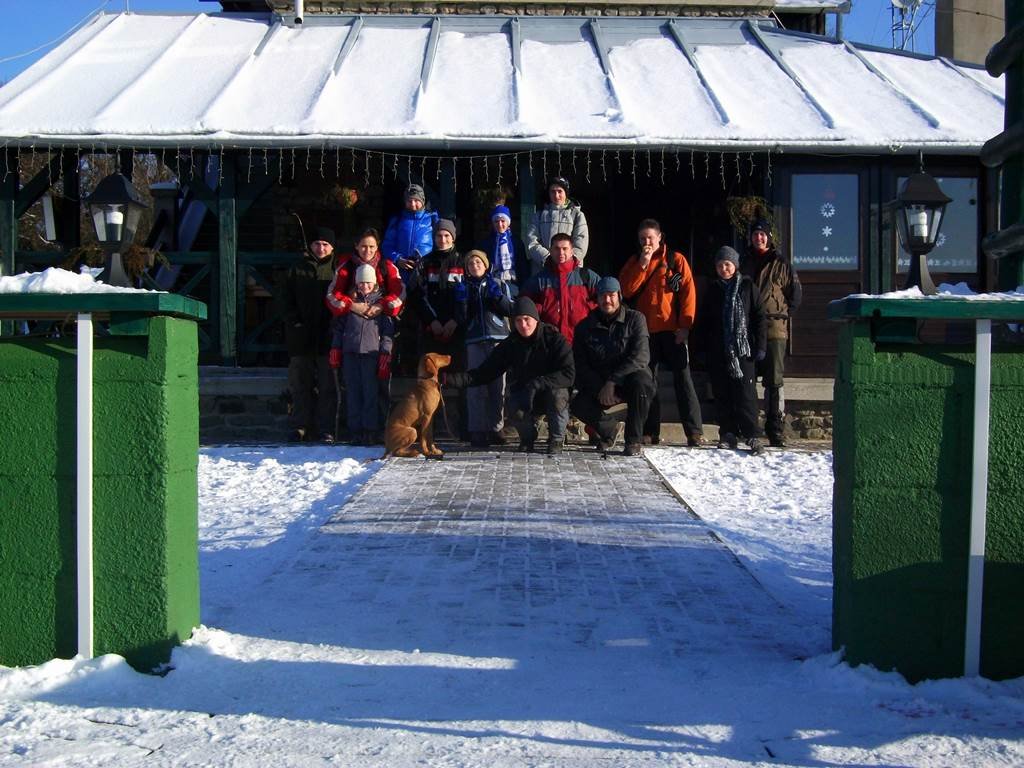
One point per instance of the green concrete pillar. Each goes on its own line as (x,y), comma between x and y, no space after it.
(902,445)
(145,435)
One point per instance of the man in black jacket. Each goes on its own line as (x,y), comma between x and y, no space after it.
(539,366)
(611,347)
(307,334)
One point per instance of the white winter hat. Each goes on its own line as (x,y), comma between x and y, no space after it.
(366,274)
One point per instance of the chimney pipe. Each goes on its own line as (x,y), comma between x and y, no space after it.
(298,11)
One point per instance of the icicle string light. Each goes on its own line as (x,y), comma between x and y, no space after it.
(588,166)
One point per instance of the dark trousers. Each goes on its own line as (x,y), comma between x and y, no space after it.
(637,392)
(362,389)
(735,399)
(314,399)
(772,369)
(550,403)
(665,353)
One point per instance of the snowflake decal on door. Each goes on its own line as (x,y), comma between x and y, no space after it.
(826,231)
(828,210)
(940,241)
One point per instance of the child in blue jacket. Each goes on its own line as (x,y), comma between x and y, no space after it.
(483,305)
(410,234)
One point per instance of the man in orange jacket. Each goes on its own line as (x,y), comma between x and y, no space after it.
(659,285)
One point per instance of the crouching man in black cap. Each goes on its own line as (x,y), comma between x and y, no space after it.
(612,351)
(539,366)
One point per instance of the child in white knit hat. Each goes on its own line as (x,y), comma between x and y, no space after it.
(361,347)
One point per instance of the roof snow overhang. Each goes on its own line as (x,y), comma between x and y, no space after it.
(491,82)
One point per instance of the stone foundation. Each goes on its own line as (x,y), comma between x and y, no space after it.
(250,405)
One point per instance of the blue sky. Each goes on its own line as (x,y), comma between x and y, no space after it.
(28,24)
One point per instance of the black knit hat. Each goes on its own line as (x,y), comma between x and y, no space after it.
(761,225)
(559,181)
(323,233)
(524,306)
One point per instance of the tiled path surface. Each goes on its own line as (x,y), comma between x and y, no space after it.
(497,554)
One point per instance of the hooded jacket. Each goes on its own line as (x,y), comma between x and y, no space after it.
(548,222)
(410,235)
(779,286)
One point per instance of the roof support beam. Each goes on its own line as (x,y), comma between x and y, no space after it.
(687,50)
(928,116)
(952,65)
(38,185)
(349,44)
(274,26)
(755,30)
(601,47)
(606,65)
(430,54)
(516,44)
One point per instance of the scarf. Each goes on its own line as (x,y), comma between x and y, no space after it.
(734,328)
(564,321)
(502,258)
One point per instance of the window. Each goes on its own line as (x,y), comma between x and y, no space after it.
(957,247)
(826,221)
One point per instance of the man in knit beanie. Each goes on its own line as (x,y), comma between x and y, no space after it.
(612,352)
(539,366)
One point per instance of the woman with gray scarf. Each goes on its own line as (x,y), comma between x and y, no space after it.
(733,328)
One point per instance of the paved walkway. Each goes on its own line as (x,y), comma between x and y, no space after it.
(491,554)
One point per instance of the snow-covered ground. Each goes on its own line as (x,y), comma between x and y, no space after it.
(247,697)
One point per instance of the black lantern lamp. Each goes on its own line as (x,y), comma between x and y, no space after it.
(919,206)
(115,207)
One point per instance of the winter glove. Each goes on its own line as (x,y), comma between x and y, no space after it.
(384,366)
(673,283)
(456,380)
(334,358)
(493,289)
(459,291)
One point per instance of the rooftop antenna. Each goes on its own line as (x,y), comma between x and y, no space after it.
(903,13)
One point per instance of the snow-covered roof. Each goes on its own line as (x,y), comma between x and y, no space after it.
(474,82)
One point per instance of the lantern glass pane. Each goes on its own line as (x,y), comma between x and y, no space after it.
(99,221)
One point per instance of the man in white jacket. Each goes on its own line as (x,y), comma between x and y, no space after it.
(560,215)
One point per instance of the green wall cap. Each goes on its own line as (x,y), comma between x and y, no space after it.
(57,305)
(945,308)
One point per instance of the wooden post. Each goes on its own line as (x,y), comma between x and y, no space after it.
(527,199)
(227,283)
(71,210)
(8,221)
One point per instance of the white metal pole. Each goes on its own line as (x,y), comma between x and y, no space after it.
(83,466)
(979,495)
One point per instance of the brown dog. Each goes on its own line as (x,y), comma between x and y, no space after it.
(410,428)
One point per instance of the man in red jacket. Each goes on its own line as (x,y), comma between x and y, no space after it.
(563,291)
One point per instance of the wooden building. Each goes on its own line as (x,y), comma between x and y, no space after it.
(674,111)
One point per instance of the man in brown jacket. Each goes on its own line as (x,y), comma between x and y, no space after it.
(658,283)
(780,291)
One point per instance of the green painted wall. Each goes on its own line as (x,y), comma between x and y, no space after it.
(903,422)
(146,427)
